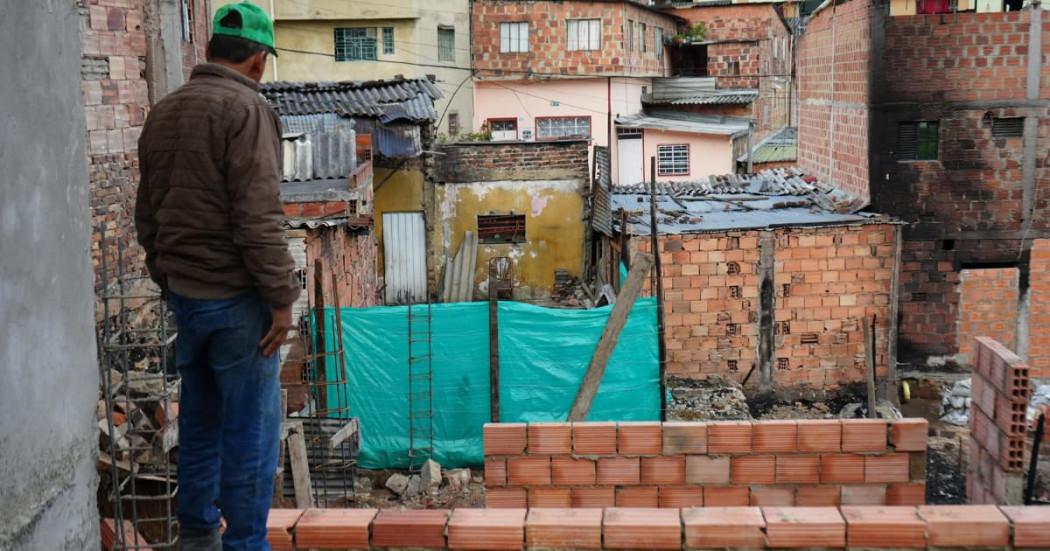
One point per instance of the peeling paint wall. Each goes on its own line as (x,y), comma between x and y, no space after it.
(554,226)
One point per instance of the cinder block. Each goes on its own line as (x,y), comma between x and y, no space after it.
(487,529)
(892,467)
(571,471)
(593,498)
(1031,525)
(912,493)
(668,469)
(506,498)
(495,472)
(841,468)
(753,469)
(818,496)
(504,438)
(564,529)
(677,497)
(702,469)
(414,528)
(685,438)
(727,496)
(774,436)
(819,435)
(642,529)
(639,439)
(864,435)
(909,434)
(637,496)
(724,527)
(965,526)
(327,528)
(798,469)
(884,527)
(549,438)
(801,527)
(619,471)
(866,494)
(770,496)
(729,437)
(594,438)
(529,471)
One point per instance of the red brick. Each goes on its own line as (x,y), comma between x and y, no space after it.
(571,471)
(727,496)
(818,496)
(819,435)
(529,471)
(965,525)
(487,529)
(419,528)
(799,527)
(549,498)
(798,469)
(594,438)
(668,469)
(549,438)
(637,496)
(767,496)
(495,472)
(906,494)
(724,527)
(702,469)
(729,437)
(685,438)
(593,498)
(279,526)
(504,438)
(892,467)
(774,436)
(642,529)
(676,497)
(753,469)
(342,528)
(864,435)
(881,527)
(506,498)
(619,470)
(1031,525)
(639,439)
(866,494)
(564,529)
(909,434)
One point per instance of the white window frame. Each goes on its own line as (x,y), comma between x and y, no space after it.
(583,34)
(446,52)
(672,160)
(658,42)
(555,128)
(514,37)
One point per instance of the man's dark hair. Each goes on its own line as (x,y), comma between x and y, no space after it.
(233,49)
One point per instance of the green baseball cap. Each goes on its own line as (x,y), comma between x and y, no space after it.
(246,21)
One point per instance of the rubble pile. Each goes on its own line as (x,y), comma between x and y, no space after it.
(706,399)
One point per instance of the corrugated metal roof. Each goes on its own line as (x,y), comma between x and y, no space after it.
(778,197)
(387,100)
(685,122)
(781,146)
(318,146)
(696,91)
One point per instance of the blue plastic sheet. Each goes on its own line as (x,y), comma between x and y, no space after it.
(544,353)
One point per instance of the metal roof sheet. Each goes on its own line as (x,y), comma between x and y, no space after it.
(781,146)
(685,122)
(696,91)
(778,197)
(387,100)
(722,97)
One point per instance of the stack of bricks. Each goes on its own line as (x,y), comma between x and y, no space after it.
(692,464)
(998,424)
(934,527)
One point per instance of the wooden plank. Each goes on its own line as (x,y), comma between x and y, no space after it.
(304,496)
(493,345)
(869,360)
(319,356)
(613,327)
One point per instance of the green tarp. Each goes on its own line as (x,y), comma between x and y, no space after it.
(544,353)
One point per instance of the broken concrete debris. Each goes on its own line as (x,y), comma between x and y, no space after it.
(955,405)
(397,483)
(430,476)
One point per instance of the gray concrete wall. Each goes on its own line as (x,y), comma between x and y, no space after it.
(48,438)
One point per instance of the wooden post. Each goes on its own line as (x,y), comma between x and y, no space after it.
(869,361)
(344,377)
(617,319)
(493,345)
(297,456)
(319,356)
(658,288)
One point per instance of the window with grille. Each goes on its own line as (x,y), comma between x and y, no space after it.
(672,160)
(446,44)
(503,129)
(388,40)
(658,42)
(628,35)
(917,140)
(356,44)
(187,20)
(584,34)
(501,228)
(1010,127)
(453,124)
(642,46)
(563,127)
(513,37)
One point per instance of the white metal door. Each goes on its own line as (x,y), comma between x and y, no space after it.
(404,257)
(629,159)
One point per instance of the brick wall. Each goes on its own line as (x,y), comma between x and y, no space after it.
(826,281)
(987,307)
(692,464)
(923,527)
(548,52)
(999,397)
(491,161)
(834,77)
(116,98)
(1039,308)
(349,255)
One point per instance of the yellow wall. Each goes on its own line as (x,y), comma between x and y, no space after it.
(554,228)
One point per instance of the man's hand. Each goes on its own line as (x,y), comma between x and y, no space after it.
(282,323)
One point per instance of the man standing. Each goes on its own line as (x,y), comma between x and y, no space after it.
(209,217)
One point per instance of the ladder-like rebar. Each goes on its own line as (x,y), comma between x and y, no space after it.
(420,386)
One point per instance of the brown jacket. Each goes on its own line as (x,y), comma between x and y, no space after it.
(208,211)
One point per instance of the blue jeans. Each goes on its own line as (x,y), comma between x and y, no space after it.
(229,418)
